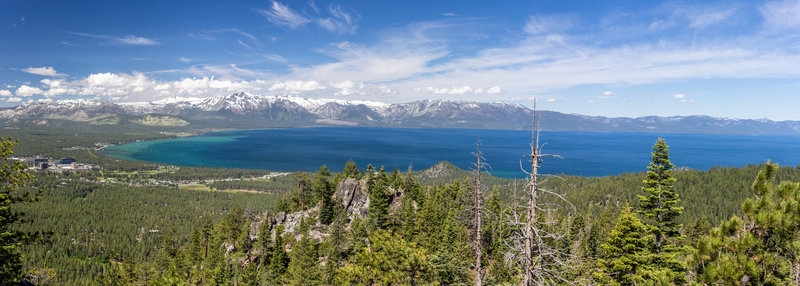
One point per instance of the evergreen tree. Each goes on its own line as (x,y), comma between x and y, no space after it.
(336,248)
(280,260)
(12,178)
(389,260)
(303,269)
(660,204)
(762,248)
(265,241)
(660,208)
(627,253)
(325,188)
(379,200)
(351,170)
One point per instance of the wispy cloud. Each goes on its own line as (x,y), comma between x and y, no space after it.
(126,40)
(339,22)
(708,18)
(209,34)
(281,15)
(782,14)
(276,57)
(335,19)
(43,71)
(537,25)
(184,59)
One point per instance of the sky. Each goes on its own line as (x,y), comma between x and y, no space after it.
(738,59)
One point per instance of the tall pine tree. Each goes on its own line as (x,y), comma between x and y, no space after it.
(12,177)
(660,202)
(660,207)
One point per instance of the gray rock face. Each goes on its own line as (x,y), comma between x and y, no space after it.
(354,197)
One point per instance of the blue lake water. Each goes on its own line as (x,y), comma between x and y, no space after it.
(584,153)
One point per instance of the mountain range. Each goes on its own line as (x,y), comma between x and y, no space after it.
(246,111)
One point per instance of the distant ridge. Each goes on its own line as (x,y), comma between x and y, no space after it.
(243,110)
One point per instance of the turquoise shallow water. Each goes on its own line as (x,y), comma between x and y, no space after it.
(585,153)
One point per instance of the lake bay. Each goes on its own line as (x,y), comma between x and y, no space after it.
(584,153)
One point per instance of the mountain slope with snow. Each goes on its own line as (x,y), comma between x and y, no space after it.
(242,110)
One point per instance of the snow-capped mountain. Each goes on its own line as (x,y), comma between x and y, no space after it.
(242,110)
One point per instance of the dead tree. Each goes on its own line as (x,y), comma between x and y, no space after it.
(477,210)
(543,263)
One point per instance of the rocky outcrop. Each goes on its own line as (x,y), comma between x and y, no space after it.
(354,196)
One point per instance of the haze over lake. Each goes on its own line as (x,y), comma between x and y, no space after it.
(584,153)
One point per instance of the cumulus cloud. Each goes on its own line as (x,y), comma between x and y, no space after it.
(456,90)
(295,86)
(679,95)
(387,90)
(494,90)
(5,93)
(348,87)
(27,91)
(43,71)
(14,99)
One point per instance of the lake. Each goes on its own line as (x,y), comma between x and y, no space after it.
(584,153)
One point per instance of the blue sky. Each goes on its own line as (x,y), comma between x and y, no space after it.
(611,58)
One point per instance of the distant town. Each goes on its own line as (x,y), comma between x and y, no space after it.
(59,165)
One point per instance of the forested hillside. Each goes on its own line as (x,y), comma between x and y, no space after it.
(135,223)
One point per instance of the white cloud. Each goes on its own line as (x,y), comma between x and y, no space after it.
(494,90)
(679,95)
(14,99)
(551,100)
(106,80)
(44,71)
(295,86)
(52,83)
(456,90)
(538,25)
(339,22)
(276,57)
(709,18)
(184,59)
(127,40)
(282,15)
(348,87)
(27,91)
(387,90)
(5,93)
(336,19)
(782,14)
(609,93)
(135,41)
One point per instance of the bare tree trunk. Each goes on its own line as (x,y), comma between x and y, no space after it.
(529,228)
(477,215)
